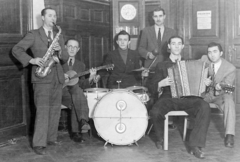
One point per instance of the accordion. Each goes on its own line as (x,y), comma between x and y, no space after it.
(188,78)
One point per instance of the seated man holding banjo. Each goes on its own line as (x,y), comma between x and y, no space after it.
(73,90)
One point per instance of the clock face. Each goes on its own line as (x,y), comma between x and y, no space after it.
(128,12)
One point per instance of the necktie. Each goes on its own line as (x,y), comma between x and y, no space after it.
(213,69)
(159,35)
(49,38)
(70,62)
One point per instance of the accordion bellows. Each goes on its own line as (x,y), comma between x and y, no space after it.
(188,78)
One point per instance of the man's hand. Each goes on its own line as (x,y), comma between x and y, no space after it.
(66,76)
(165,82)
(37,61)
(93,72)
(218,87)
(145,73)
(150,55)
(96,78)
(208,81)
(57,47)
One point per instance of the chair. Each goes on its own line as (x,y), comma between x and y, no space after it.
(172,113)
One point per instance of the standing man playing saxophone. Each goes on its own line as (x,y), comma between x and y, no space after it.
(47,90)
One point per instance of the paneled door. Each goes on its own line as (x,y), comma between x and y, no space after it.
(14,92)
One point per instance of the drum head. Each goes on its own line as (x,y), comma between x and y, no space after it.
(120,117)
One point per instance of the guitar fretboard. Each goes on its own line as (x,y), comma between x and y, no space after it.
(88,71)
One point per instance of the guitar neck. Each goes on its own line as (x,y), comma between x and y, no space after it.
(87,72)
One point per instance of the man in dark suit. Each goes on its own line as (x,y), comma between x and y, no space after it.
(196,107)
(47,90)
(73,95)
(154,39)
(124,60)
(223,73)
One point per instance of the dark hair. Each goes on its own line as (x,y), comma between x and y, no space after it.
(43,12)
(158,9)
(123,32)
(214,44)
(175,36)
(72,39)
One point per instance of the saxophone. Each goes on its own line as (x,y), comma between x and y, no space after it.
(49,59)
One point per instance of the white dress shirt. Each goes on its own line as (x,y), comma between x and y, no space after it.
(157,29)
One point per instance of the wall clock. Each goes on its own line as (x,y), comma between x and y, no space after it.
(128,12)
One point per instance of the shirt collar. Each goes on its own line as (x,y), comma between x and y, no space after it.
(46,31)
(173,58)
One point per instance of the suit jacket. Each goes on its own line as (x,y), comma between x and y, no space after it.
(149,43)
(160,74)
(37,41)
(122,71)
(225,74)
(78,67)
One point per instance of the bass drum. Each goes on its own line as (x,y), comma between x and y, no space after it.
(120,118)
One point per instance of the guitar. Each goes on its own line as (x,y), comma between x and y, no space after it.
(227,88)
(73,77)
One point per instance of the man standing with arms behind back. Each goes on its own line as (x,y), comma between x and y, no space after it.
(47,90)
(155,38)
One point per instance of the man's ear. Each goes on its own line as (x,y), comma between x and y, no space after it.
(221,53)
(129,43)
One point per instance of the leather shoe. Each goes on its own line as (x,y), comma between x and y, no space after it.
(54,143)
(197,152)
(39,150)
(159,144)
(77,137)
(229,141)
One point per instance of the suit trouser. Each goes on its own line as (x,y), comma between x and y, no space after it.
(197,109)
(227,106)
(80,108)
(47,99)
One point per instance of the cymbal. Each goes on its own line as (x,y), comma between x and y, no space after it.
(140,69)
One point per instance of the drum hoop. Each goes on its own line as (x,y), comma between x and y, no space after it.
(132,88)
(91,90)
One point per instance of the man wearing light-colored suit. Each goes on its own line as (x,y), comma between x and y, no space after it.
(47,90)
(223,72)
(154,39)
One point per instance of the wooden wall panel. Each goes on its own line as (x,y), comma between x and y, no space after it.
(201,6)
(190,28)
(88,22)
(13,83)
(10,17)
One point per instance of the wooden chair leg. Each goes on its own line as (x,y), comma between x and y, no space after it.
(185,129)
(165,145)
